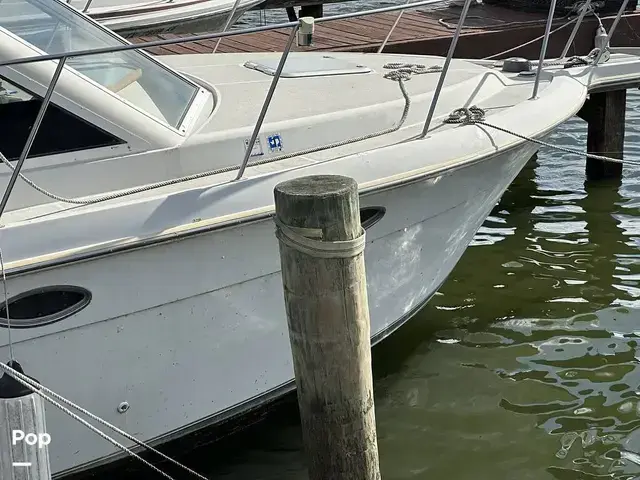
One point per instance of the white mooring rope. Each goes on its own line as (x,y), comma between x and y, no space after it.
(301,240)
(475,116)
(47,395)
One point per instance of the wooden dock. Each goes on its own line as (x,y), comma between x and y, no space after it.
(490,30)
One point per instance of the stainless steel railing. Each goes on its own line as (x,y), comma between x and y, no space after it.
(62,57)
(267,100)
(583,11)
(32,134)
(543,48)
(623,7)
(445,68)
(210,36)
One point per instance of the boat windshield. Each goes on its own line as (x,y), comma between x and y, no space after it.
(55,28)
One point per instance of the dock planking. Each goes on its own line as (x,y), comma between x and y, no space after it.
(489,30)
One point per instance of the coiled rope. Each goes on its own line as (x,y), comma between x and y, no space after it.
(474,115)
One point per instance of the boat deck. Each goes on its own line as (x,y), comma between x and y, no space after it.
(490,30)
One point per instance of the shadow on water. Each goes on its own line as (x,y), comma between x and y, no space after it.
(524,365)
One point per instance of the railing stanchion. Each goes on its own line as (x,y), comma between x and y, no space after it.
(543,49)
(86,6)
(227,24)
(393,27)
(623,7)
(445,67)
(32,134)
(207,36)
(574,32)
(267,100)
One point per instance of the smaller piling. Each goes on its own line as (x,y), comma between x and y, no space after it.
(605,116)
(24,453)
(315,11)
(322,257)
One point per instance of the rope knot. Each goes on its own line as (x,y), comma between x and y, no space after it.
(403,71)
(466,115)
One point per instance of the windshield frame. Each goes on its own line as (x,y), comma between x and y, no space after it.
(66,16)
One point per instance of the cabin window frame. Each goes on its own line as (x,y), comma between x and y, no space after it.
(40,320)
(70,17)
(117,140)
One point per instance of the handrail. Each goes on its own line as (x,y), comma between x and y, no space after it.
(267,100)
(228,22)
(623,7)
(32,135)
(543,49)
(393,27)
(574,32)
(445,68)
(62,57)
(209,36)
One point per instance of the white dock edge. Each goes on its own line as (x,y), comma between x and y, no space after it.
(24,453)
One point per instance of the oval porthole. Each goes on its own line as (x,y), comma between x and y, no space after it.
(369,216)
(44,305)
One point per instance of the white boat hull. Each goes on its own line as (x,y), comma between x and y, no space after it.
(209,17)
(182,364)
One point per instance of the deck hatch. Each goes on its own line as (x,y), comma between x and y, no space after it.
(308,66)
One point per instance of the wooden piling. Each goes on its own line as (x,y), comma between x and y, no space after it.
(23,438)
(315,11)
(323,274)
(605,115)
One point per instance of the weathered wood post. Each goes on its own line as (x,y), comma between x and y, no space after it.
(24,454)
(605,115)
(323,274)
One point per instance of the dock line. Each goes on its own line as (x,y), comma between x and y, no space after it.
(47,395)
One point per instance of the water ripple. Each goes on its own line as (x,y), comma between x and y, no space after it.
(558,352)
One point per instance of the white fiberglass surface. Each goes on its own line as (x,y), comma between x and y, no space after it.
(54,27)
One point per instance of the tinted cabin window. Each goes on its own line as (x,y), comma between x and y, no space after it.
(45,305)
(60,131)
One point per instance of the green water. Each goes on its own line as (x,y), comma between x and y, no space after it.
(524,365)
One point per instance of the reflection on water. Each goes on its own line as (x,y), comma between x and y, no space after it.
(527,364)
(524,365)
